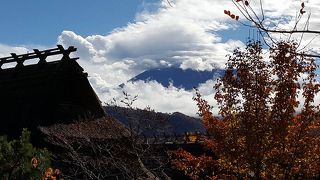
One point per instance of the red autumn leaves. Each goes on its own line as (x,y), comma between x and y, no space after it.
(246,3)
(262,133)
(232,16)
(302,7)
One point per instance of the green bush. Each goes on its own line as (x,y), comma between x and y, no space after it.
(20,160)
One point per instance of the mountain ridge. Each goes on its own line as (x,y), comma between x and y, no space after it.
(156,123)
(177,77)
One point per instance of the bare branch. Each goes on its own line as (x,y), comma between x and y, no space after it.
(258,22)
(168,1)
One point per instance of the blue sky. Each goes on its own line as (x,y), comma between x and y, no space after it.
(38,22)
(41,22)
(118,39)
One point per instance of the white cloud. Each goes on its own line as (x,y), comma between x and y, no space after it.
(160,98)
(5,50)
(184,35)
(86,49)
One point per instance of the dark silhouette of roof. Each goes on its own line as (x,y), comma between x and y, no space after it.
(45,92)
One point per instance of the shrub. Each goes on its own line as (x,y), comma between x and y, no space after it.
(20,160)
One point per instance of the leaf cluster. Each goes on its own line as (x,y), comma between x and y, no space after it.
(263,130)
(20,160)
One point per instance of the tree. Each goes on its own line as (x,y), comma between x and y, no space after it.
(20,160)
(263,131)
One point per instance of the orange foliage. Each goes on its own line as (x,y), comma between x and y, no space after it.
(49,174)
(260,133)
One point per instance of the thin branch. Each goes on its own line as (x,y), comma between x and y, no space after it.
(309,42)
(290,32)
(168,1)
(304,28)
(241,9)
(262,12)
(258,23)
(296,24)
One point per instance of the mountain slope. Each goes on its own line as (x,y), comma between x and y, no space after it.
(178,77)
(151,123)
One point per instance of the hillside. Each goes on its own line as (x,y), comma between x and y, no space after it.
(151,123)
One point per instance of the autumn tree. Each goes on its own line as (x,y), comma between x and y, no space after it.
(263,129)
(268,124)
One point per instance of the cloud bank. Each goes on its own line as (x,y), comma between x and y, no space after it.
(160,98)
(183,36)
(186,35)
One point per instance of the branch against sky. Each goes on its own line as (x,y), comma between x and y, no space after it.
(254,16)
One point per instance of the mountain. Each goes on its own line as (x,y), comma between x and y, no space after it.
(155,123)
(178,77)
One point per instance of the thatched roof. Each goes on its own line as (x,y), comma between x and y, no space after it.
(103,128)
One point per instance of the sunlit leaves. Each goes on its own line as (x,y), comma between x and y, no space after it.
(259,132)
